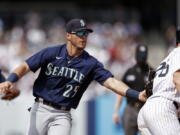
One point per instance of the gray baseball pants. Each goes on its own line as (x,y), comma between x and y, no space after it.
(46,120)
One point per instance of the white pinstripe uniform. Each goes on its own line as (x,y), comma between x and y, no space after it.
(159,115)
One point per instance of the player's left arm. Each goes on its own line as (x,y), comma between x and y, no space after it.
(14,76)
(176,79)
(122,89)
(22,69)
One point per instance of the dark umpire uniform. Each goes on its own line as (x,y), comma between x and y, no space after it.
(135,77)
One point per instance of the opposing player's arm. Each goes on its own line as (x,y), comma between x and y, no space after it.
(122,89)
(176,79)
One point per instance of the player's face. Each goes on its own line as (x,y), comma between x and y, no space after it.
(78,39)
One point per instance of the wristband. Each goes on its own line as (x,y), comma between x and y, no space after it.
(132,93)
(13,77)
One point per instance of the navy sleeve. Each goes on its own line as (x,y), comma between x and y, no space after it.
(100,73)
(39,59)
(2,78)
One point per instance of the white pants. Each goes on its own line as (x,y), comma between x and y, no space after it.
(158,117)
(46,120)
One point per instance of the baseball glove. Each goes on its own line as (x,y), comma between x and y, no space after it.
(149,83)
(11,94)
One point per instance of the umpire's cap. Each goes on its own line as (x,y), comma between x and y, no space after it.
(178,35)
(75,25)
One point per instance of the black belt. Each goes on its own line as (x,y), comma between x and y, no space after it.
(64,108)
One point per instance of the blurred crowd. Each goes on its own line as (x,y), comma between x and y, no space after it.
(111,43)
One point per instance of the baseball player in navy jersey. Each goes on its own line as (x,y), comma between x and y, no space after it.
(159,115)
(66,71)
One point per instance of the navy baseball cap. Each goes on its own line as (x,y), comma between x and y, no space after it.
(76,25)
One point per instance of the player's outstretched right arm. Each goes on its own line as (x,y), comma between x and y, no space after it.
(14,76)
(122,89)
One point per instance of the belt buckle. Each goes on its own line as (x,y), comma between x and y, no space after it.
(64,108)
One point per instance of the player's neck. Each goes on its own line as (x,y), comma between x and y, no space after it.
(178,45)
(73,51)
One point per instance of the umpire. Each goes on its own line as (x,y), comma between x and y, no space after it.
(135,77)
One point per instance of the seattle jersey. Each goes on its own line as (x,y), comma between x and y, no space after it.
(163,82)
(63,79)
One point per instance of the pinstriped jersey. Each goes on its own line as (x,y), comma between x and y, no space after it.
(163,82)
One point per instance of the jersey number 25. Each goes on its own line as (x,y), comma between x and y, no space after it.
(70,91)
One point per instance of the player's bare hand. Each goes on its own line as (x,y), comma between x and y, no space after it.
(5,86)
(116,118)
(143,96)
(2,89)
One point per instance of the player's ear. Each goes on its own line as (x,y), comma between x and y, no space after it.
(68,36)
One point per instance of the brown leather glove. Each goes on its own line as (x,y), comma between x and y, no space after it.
(148,88)
(11,94)
(149,83)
